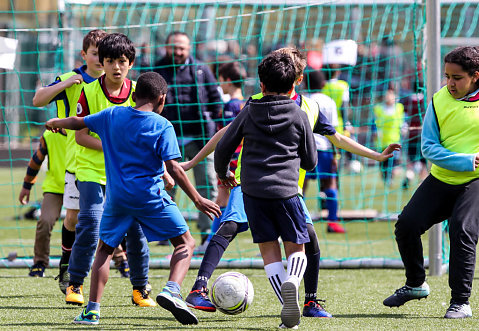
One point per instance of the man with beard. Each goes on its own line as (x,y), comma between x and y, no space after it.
(192,102)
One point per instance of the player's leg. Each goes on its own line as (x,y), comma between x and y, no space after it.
(71,202)
(170,297)
(432,203)
(99,277)
(313,307)
(50,212)
(121,262)
(139,257)
(233,221)
(463,234)
(87,234)
(273,265)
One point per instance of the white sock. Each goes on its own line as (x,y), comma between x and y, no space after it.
(296,265)
(276,276)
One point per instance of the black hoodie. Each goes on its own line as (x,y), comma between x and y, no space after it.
(278,140)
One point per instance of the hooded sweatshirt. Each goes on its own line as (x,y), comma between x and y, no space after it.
(278,140)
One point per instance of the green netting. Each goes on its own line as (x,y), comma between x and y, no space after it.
(391,53)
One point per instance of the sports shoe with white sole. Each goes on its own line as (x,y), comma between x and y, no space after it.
(291,312)
(174,303)
(458,310)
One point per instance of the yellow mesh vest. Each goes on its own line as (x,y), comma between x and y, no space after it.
(65,110)
(55,177)
(335,90)
(459,132)
(90,162)
(389,125)
(311,109)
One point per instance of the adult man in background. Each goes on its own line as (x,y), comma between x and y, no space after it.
(192,102)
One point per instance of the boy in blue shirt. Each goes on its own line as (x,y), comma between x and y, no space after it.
(135,190)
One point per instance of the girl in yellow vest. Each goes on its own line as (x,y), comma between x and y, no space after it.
(389,119)
(450,141)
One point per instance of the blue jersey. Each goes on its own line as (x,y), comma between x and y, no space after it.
(135,144)
(231,109)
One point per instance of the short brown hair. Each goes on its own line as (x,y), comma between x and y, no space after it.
(299,59)
(93,38)
(233,71)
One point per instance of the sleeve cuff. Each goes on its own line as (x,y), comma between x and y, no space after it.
(27,186)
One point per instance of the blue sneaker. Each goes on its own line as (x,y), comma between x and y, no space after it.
(198,299)
(314,308)
(406,293)
(91,317)
(174,303)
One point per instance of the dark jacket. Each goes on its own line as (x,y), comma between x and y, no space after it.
(278,140)
(193,98)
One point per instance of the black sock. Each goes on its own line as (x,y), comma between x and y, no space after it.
(68,238)
(213,254)
(311,276)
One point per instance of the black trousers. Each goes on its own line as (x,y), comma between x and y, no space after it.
(433,202)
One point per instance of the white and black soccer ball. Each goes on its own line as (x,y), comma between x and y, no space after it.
(232,293)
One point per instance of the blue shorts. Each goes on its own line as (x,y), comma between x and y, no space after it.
(270,219)
(324,168)
(159,224)
(235,210)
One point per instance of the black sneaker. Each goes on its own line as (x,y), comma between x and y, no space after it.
(406,293)
(37,270)
(63,278)
(458,310)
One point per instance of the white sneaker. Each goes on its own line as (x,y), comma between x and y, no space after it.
(456,310)
(291,313)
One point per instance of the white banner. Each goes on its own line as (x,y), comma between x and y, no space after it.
(8,49)
(340,52)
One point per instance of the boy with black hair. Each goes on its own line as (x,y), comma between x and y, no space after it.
(117,53)
(65,91)
(278,140)
(136,192)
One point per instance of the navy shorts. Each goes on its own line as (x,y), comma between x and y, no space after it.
(269,219)
(324,168)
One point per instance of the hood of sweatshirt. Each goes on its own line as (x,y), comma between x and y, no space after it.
(272,113)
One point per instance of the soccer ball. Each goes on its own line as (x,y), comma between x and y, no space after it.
(232,293)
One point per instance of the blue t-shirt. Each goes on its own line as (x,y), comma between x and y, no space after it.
(135,144)
(231,109)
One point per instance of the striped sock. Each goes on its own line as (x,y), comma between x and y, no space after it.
(296,265)
(276,276)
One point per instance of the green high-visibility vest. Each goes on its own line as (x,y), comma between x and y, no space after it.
(335,90)
(311,108)
(55,176)
(389,125)
(459,132)
(90,162)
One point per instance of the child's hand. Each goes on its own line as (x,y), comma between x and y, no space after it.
(24,196)
(75,79)
(229,181)
(169,181)
(476,161)
(388,152)
(209,208)
(187,165)
(50,125)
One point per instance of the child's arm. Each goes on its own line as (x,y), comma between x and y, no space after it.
(32,171)
(179,175)
(84,139)
(168,180)
(70,123)
(45,95)
(205,151)
(348,144)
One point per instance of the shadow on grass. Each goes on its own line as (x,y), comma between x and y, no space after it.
(393,316)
